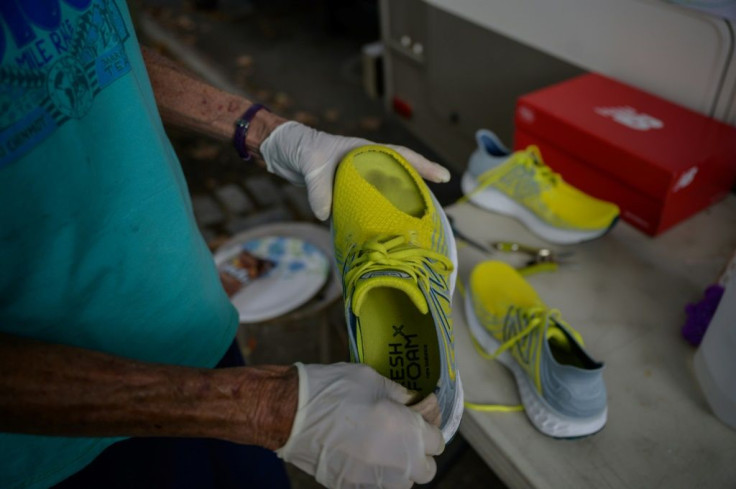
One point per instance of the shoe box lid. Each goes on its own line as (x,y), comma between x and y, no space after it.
(660,162)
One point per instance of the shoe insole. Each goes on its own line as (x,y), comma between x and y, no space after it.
(392,180)
(566,351)
(400,342)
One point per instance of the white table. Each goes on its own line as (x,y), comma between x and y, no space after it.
(626,295)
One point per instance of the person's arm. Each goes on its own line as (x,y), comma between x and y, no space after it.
(61,390)
(186,101)
(344,423)
(298,153)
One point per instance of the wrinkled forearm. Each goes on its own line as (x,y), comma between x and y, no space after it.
(60,390)
(186,101)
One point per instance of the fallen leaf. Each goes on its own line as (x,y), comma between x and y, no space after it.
(371,123)
(190,40)
(185,22)
(244,61)
(281,101)
(306,118)
(205,151)
(332,115)
(263,95)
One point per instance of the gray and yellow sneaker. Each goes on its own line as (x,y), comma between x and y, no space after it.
(560,385)
(519,184)
(397,257)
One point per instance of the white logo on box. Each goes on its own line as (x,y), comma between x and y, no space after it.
(629,117)
(686,179)
(526,114)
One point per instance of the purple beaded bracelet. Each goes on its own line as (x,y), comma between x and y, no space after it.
(241,129)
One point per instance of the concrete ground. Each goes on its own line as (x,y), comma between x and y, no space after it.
(302,59)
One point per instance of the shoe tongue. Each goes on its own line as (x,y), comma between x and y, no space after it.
(391,279)
(560,336)
(556,335)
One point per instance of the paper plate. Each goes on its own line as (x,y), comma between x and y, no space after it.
(300,272)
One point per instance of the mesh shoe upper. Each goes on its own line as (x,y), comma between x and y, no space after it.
(525,178)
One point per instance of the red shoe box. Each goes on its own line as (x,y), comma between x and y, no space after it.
(659,161)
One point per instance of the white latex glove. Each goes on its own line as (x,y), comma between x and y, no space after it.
(352,430)
(305,156)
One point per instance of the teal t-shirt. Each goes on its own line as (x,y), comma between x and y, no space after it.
(98,244)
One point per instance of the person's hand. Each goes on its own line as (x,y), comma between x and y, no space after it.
(352,430)
(305,156)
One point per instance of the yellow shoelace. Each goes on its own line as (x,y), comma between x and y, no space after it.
(395,253)
(537,317)
(534,160)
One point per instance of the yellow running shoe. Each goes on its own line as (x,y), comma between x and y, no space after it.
(396,255)
(560,385)
(520,185)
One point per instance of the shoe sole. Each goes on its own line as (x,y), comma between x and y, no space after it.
(544,418)
(497,201)
(453,422)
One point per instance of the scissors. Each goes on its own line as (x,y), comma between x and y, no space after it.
(540,259)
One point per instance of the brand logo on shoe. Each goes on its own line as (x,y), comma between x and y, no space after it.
(408,359)
(629,117)
(525,348)
(519,183)
(439,304)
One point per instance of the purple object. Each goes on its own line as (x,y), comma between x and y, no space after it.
(700,313)
(241,129)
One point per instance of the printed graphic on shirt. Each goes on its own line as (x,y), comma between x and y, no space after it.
(56,56)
